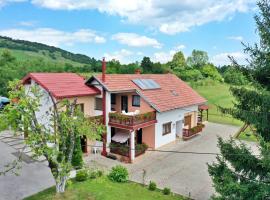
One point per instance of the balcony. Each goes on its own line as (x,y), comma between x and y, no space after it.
(189,133)
(131,121)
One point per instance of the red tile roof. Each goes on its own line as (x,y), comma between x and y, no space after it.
(62,85)
(173,93)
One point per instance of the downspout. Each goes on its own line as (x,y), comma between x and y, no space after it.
(104,136)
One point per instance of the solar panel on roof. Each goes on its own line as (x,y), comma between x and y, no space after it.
(146,84)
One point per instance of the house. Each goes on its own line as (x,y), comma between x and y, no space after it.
(63,86)
(139,110)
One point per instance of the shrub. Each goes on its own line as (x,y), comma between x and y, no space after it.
(152,186)
(81,175)
(166,191)
(118,174)
(190,75)
(95,174)
(235,77)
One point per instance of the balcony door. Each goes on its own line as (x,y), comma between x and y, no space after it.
(124,103)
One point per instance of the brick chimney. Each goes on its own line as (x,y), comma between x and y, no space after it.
(103,69)
(137,71)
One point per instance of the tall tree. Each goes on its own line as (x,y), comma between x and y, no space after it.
(197,59)
(147,65)
(239,173)
(178,62)
(56,142)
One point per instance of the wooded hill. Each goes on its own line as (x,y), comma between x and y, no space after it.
(23,50)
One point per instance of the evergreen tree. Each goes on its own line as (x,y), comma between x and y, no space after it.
(238,172)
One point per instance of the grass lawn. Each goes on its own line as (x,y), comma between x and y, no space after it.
(248,135)
(217,94)
(104,189)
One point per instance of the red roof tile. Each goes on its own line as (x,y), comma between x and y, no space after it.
(62,85)
(173,93)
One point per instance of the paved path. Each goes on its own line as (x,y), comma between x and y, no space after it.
(184,173)
(34,176)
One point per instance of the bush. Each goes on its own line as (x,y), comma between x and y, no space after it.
(166,191)
(95,174)
(210,71)
(152,186)
(81,175)
(190,75)
(118,174)
(235,77)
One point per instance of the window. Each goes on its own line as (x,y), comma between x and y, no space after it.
(80,106)
(113,99)
(98,104)
(136,100)
(166,129)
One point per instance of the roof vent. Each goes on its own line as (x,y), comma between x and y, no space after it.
(174,93)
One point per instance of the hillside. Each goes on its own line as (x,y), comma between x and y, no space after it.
(25,50)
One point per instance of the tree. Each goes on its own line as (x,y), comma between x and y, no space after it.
(178,62)
(210,71)
(238,173)
(56,141)
(197,59)
(147,65)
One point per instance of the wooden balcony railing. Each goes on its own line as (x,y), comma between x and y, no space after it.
(189,133)
(131,120)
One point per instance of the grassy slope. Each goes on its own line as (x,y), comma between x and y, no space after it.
(29,55)
(218,94)
(104,189)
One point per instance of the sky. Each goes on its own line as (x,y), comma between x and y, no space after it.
(128,30)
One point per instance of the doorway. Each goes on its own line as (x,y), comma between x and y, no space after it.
(84,144)
(178,129)
(124,103)
(188,121)
(139,136)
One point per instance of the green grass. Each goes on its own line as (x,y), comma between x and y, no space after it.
(248,135)
(103,189)
(29,55)
(217,94)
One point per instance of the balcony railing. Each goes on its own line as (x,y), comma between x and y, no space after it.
(189,133)
(131,120)
(97,119)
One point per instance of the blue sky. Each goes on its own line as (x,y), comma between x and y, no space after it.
(128,30)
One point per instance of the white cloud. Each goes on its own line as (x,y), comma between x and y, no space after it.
(54,37)
(222,58)
(236,38)
(27,23)
(170,16)
(123,56)
(135,40)
(5,2)
(164,57)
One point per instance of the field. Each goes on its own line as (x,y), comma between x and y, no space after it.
(217,94)
(104,189)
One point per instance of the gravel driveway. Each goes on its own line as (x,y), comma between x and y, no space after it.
(184,173)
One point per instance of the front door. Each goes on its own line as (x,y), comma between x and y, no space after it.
(124,103)
(84,144)
(139,136)
(188,121)
(178,129)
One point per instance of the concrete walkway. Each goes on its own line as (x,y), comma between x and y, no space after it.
(34,176)
(184,173)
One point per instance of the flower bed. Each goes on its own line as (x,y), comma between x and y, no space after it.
(123,150)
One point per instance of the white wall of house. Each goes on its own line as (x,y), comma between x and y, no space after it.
(43,114)
(166,117)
